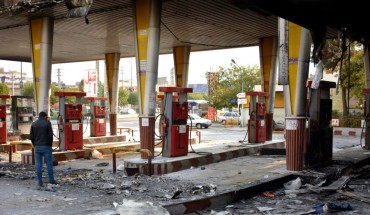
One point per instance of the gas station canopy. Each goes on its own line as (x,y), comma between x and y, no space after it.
(203,25)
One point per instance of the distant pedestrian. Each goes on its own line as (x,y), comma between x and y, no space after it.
(41,136)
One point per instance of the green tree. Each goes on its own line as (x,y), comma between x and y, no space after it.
(4,89)
(28,89)
(197,96)
(54,99)
(352,74)
(123,95)
(230,84)
(132,98)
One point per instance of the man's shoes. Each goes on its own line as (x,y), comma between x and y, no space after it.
(40,186)
(54,182)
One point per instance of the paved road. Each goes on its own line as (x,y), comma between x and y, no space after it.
(218,132)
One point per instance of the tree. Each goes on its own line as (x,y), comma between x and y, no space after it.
(28,89)
(351,71)
(54,99)
(230,84)
(132,98)
(4,89)
(123,96)
(198,96)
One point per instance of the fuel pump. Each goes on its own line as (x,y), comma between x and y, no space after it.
(3,125)
(22,114)
(319,149)
(98,112)
(70,121)
(175,128)
(256,122)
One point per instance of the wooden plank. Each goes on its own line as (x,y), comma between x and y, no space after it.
(337,185)
(354,195)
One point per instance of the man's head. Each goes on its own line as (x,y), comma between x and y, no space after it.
(43,115)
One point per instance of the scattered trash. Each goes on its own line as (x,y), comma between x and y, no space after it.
(294,184)
(102,164)
(107,186)
(40,199)
(268,194)
(96,154)
(176,194)
(264,209)
(52,187)
(138,208)
(69,199)
(121,167)
(211,189)
(331,207)
(67,170)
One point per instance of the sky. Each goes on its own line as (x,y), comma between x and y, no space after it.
(200,63)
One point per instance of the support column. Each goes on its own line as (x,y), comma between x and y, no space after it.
(268,55)
(112,68)
(283,77)
(41,33)
(302,70)
(181,55)
(299,59)
(367,95)
(294,38)
(147,34)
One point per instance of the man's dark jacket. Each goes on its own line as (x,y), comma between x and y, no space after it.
(41,133)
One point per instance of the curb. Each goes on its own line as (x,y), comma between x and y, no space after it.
(352,132)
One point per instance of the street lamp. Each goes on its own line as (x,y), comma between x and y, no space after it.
(233,61)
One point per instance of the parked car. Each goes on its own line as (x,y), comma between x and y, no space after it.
(127,111)
(278,125)
(228,115)
(194,120)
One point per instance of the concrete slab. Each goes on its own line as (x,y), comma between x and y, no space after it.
(203,155)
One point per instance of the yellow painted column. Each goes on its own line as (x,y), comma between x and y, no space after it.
(294,46)
(268,54)
(41,33)
(147,32)
(181,55)
(268,58)
(112,68)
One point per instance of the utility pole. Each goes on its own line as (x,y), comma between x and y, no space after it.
(122,75)
(59,74)
(97,77)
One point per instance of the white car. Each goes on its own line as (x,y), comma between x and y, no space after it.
(127,111)
(195,120)
(228,115)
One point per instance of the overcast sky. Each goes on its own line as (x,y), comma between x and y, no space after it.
(200,63)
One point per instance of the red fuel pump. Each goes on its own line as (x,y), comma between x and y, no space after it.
(70,121)
(3,126)
(175,128)
(98,125)
(256,122)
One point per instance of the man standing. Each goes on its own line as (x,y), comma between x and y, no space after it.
(41,136)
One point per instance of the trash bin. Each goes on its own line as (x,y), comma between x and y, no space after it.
(295,128)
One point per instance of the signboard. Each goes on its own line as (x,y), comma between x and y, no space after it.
(240,95)
(91,83)
(242,101)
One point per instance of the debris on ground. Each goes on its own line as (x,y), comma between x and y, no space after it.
(139,208)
